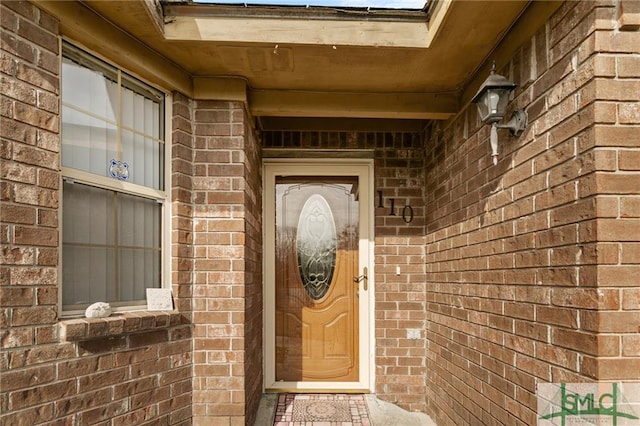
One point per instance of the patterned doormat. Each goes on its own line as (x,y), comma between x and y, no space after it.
(321,409)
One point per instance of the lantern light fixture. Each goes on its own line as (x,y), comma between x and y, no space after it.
(492,99)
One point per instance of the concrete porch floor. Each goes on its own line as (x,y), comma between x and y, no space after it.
(381,413)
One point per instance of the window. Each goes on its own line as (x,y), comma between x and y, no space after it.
(114,196)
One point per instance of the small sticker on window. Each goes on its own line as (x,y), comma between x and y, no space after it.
(119,170)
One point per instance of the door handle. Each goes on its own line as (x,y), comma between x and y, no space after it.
(362,278)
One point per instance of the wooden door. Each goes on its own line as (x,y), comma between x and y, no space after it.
(316,259)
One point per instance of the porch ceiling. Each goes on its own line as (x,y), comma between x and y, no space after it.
(304,66)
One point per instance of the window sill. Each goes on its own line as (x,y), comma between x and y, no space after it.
(75,330)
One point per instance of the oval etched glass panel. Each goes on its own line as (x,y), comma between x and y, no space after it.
(316,246)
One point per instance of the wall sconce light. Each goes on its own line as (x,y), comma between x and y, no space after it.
(492,99)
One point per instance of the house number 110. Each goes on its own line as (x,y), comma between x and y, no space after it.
(407,211)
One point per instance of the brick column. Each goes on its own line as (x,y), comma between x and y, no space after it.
(227,296)
(182,234)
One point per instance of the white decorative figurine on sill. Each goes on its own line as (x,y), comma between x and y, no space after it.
(98,310)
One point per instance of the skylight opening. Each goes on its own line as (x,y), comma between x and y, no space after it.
(373,4)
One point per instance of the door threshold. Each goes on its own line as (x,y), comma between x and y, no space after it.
(317,391)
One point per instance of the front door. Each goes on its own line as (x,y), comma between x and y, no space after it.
(317,293)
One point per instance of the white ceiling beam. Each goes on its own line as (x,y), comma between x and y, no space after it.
(331,32)
(336,124)
(284,103)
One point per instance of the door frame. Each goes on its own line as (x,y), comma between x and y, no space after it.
(363,168)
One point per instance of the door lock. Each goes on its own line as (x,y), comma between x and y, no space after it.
(362,278)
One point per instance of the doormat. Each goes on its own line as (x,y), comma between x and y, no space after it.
(339,409)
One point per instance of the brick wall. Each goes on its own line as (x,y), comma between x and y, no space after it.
(130,369)
(227,290)
(30,182)
(532,264)
(400,299)
(510,275)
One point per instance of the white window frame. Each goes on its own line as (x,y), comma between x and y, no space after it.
(162,197)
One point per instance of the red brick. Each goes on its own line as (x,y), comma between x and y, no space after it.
(576,340)
(572,213)
(47,257)
(20,92)
(617,135)
(104,412)
(25,194)
(30,416)
(40,394)
(617,322)
(23,8)
(630,253)
(556,355)
(17,255)
(82,366)
(15,337)
(38,118)
(12,213)
(33,316)
(617,229)
(48,218)
(74,404)
(37,35)
(16,296)
(46,334)
(33,276)
(138,416)
(38,77)
(557,316)
(533,367)
(47,22)
(142,399)
(49,141)
(618,369)
(36,236)
(8,66)
(18,172)
(616,41)
(20,379)
(629,113)
(18,47)
(563,194)
(631,345)
(628,66)
(148,338)
(48,61)
(102,379)
(136,355)
(629,207)
(16,131)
